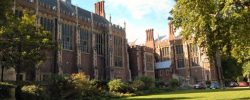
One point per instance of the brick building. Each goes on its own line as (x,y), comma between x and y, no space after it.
(141,60)
(89,42)
(179,58)
(163,70)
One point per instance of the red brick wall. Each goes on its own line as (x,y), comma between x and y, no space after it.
(137,64)
(163,74)
(68,62)
(197,74)
(86,63)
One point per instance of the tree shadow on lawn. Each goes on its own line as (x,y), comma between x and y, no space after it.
(244,98)
(168,98)
(205,91)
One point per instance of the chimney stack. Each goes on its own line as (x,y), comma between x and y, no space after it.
(99,8)
(150,38)
(150,35)
(171,31)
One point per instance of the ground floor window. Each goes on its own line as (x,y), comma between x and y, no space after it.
(180,63)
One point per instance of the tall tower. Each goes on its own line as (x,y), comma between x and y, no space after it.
(150,38)
(100,8)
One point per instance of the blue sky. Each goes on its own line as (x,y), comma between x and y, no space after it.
(139,15)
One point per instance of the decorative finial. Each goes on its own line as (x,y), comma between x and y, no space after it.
(124,24)
(110,18)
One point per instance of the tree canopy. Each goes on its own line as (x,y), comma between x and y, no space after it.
(218,25)
(246,69)
(23,42)
(5,10)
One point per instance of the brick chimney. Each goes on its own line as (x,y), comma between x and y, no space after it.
(99,8)
(150,35)
(150,38)
(171,31)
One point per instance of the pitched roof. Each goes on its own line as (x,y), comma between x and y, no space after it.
(71,8)
(161,38)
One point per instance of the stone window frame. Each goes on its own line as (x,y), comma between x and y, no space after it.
(85,40)
(67,32)
(99,38)
(194,49)
(179,49)
(195,61)
(46,23)
(118,58)
(165,51)
(148,60)
(180,63)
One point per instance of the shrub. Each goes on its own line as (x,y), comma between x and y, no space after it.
(116,94)
(75,86)
(91,93)
(208,83)
(99,84)
(84,88)
(59,85)
(148,82)
(138,85)
(240,78)
(79,81)
(5,89)
(174,83)
(32,92)
(160,83)
(116,85)
(127,89)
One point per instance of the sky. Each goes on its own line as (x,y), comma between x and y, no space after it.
(139,15)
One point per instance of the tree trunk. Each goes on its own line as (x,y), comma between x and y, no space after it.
(217,65)
(248,78)
(2,73)
(20,59)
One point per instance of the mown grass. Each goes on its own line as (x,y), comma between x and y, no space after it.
(219,94)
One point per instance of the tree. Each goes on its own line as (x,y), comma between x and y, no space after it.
(216,25)
(3,61)
(5,10)
(231,68)
(246,70)
(24,42)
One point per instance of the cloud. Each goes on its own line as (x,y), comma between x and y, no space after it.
(140,8)
(141,15)
(134,32)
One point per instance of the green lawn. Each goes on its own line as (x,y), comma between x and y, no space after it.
(226,94)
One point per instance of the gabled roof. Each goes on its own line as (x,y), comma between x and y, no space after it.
(161,38)
(100,19)
(163,65)
(71,8)
(85,13)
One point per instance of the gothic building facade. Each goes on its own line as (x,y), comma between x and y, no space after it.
(88,42)
(179,58)
(141,61)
